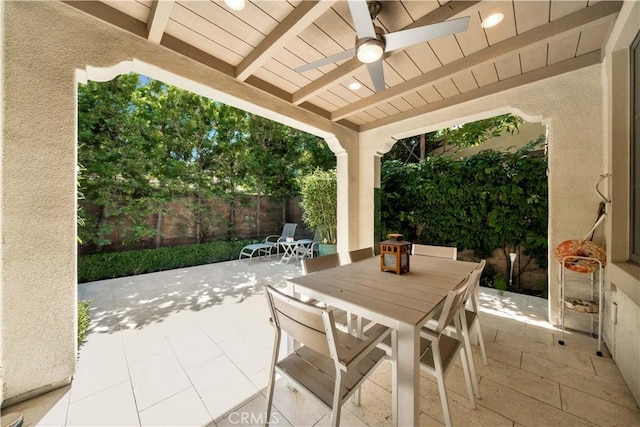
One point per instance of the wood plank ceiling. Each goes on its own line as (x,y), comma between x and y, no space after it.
(263,43)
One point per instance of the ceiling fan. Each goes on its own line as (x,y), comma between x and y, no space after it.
(372,43)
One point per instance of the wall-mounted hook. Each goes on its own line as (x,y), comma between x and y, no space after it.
(602,196)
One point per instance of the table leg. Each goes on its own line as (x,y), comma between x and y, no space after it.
(291,343)
(405,371)
(288,252)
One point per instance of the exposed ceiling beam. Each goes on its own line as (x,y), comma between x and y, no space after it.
(301,17)
(110,15)
(128,23)
(547,32)
(158,19)
(442,13)
(558,68)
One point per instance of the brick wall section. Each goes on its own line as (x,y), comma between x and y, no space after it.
(178,227)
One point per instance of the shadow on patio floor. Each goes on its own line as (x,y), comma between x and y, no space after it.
(192,346)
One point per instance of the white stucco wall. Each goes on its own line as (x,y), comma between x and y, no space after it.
(38,218)
(622,308)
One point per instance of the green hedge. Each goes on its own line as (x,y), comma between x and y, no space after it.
(118,264)
(483,202)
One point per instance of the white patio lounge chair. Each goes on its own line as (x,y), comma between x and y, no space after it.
(270,243)
(288,230)
(308,248)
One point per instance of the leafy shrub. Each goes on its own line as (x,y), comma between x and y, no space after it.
(488,275)
(484,202)
(83,321)
(500,283)
(319,203)
(118,264)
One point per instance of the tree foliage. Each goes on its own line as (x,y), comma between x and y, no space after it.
(409,150)
(143,143)
(319,191)
(484,202)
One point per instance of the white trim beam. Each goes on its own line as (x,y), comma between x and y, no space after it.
(333,77)
(158,19)
(556,29)
(301,17)
(558,68)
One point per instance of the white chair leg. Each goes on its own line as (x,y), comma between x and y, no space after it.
(443,399)
(469,357)
(272,377)
(467,378)
(337,406)
(481,342)
(359,333)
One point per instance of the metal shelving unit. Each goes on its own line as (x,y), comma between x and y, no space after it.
(590,307)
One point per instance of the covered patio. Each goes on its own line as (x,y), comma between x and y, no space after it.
(192,347)
(565,64)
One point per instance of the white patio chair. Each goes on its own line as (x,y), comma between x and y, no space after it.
(470,322)
(330,365)
(360,254)
(470,314)
(438,350)
(288,231)
(311,265)
(435,251)
(308,248)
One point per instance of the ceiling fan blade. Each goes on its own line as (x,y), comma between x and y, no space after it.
(405,38)
(377,75)
(361,19)
(326,61)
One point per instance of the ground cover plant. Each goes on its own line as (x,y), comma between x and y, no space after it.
(118,264)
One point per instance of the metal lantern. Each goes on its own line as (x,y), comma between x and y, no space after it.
(394,254)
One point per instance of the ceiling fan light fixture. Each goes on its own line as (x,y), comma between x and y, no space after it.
(492,20)
(234,4)
(369,50)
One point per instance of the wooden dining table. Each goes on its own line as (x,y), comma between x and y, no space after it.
(402,302)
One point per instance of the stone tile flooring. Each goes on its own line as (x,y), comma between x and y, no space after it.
(192,346)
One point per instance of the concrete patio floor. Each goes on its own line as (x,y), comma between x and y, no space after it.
(192,346)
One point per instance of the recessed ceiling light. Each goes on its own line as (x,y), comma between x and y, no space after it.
(235,4)
(492,20)
(354,85)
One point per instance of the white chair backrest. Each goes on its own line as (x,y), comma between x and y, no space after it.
(289,230)
(311,265)
(452,306)
(474,283)
(301,321)
(435,251)
(360,254)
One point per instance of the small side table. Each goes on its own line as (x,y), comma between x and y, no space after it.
(289,251)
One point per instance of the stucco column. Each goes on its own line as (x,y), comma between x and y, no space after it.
(345,145)
(358,168)
(37,210)
(371,152)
